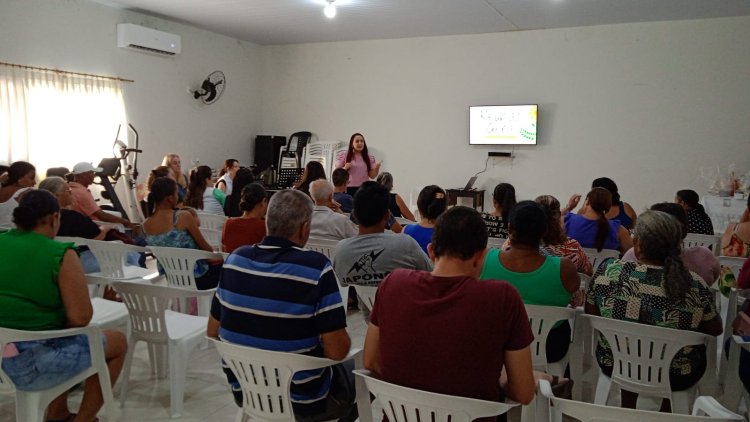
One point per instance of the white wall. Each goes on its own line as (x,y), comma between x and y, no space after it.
(81,36)
(646,104)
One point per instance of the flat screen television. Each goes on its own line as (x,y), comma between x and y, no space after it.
(503,125)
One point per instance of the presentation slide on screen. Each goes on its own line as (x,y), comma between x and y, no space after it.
(510,125)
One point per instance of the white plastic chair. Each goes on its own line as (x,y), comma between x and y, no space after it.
(732,262)
(265,377)
(403,404)
(587,412)
(642,355)
(211,221)
(153,322)
(324,246)
(709,241)
(178,265)
(367,294)
(495,242)
(112,257)
(596,257)
(542,319)
(585,281)
(213,237)
(31,405)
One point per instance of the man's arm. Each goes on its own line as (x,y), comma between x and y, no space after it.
(521,386)
(110,218)
(336,344)
(213,327)
(372,349)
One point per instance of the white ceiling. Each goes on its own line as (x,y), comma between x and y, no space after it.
(269,22)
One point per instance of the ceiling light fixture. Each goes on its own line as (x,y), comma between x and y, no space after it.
(330,10)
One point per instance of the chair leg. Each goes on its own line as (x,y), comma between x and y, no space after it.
(178,359)
(29,408)
(603,385)
(125,376)
(681,401)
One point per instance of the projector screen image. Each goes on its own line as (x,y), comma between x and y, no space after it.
(502,125)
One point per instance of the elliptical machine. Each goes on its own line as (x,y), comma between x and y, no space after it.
(114,180)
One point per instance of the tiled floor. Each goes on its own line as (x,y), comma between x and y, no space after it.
(207,397)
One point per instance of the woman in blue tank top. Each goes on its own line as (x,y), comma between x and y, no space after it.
(619,210)
(592,229)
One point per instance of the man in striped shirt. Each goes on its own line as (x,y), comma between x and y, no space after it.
(277,296)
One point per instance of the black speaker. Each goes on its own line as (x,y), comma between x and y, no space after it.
(267,150)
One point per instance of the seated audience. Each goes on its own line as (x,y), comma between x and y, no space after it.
(503,201)
(369,257)
(697,259)
(539,279)
(200,194)
(431,203)
(327,224)
(697,220)
(657,290)
(53,296)
(226,176)
(84,202)
(592,229)
(250,227)
(736,239)
(395,202)
(242,178)
(340,179)
(618,210)
(308,316)
(173,228)
(556,242)
(21,178)
(313,171)
(446,331)
(173,162)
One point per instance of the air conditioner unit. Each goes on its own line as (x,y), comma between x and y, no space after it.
(148,40)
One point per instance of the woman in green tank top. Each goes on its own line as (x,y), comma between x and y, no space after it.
(43,287)
(540,280)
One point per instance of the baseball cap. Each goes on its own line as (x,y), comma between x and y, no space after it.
(85,167)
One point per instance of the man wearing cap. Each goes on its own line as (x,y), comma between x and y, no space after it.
(83,200)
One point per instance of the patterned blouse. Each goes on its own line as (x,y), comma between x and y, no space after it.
(177,238)
(572,250)
(634,292)
(496,227)
(699,223)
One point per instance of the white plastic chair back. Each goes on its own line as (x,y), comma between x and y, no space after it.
(596,257)
(78,241)
(211,221)
(338,153)
(403,404)
(642,355)
(31,405)
(213,237)
(709,241)
(734,263)
(324,246)
(265,377)
(112,257)
(587,412)
(495,242)
(542,319)
(322,152)
(146,306)
(179,264)
(367,294)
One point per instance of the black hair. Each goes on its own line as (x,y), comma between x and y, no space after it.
(252,195)
(196,186)
(676,211)
(527,224)
(691,198)
(3,168)
(431,202)
(228,163)
(161,189)
(370,203)
(233,205)
(18,170)
(313,171)
(600,201)
(505,196)
(610,185)
(339,177)
(34,205)
(459,233)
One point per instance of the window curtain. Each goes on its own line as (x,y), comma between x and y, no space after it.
(52,119)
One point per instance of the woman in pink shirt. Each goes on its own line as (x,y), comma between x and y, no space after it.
(358,162)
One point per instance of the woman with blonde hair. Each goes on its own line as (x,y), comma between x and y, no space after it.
(173,162)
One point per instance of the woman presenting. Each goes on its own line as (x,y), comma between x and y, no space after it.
(358,162)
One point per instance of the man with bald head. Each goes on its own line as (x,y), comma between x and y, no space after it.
(327,224)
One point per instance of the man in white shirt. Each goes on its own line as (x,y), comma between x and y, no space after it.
(327,224)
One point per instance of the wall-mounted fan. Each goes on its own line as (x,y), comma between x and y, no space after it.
(211,88)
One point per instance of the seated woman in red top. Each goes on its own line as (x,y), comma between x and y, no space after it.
(250,227)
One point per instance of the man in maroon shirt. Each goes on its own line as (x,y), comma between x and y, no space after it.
(446,331)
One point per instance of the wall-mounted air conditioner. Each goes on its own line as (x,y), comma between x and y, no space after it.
(148,40)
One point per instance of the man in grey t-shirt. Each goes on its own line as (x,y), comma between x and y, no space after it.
(368,258)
